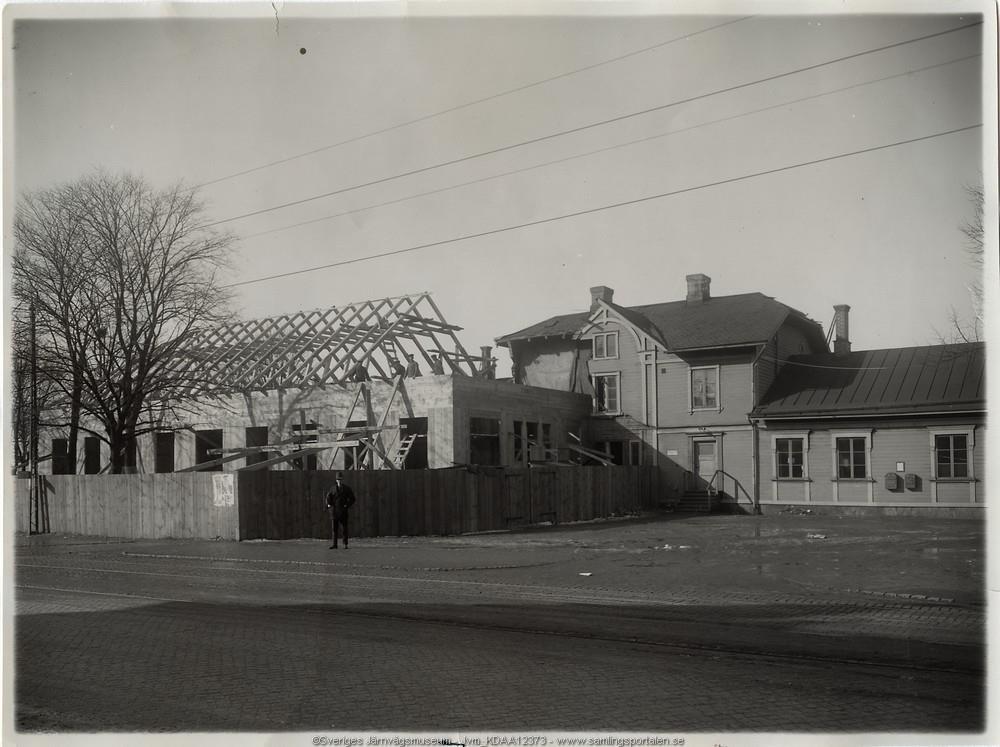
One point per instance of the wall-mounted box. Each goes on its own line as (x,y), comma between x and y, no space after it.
(891,481)
(911,481)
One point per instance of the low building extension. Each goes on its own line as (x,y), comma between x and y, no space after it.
(901,427)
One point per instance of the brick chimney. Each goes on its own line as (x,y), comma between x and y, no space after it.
(698,288)
(600,293)
(841,333)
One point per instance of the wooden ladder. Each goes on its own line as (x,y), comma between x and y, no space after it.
(404,448)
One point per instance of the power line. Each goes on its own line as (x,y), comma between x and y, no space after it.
(581,128)
(467,104)
(579,213)
(816,365)
(610,147)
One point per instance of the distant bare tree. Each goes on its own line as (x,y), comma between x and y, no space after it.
(121,277)
(961,329)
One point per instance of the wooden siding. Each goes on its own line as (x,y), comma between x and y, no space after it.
(674,395)
(734,457)
(627,364)
(133,506)
(289,505)
(908,444)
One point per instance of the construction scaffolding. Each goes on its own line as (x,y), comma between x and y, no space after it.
(355,342)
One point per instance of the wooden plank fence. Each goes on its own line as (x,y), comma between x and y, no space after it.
(290,504)
(134,506)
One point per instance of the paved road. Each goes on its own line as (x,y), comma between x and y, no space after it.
(431,635)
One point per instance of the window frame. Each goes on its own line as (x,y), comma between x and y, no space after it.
(62,464)
(836,436)
(802,436)
(493,438)
(90,445)
(617,376)
(202,443)
(970,447)
(158,438)
(717,407)
(604,337)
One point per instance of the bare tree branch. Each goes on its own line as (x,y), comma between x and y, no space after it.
(121,277)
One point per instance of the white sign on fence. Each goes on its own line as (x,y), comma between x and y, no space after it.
(224,492)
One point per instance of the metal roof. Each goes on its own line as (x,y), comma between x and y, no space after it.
(894,381)
(743,319)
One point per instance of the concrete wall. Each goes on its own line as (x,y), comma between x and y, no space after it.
(507,402)
(908,443)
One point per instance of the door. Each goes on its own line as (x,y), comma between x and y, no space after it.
(417,456)
(704,463)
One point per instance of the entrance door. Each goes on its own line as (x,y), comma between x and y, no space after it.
(417,456)
(704,462)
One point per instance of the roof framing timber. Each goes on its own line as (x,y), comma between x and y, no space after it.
(321,347)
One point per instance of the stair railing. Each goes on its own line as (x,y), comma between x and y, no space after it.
(737,489)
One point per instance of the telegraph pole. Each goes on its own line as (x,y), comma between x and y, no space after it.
(34,505)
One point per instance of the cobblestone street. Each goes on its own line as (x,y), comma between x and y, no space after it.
(502,632)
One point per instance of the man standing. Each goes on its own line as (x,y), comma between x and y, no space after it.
(339,500)
(412,367)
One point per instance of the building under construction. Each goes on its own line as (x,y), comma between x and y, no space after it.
(379,384)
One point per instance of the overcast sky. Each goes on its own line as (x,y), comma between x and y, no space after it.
(199,99)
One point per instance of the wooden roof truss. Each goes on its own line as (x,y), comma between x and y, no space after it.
(322,347)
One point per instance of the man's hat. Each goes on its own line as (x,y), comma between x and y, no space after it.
(340,475)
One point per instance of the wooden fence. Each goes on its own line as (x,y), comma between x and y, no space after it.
(291,504)
(189,505)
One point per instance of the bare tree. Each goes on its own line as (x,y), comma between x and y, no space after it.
(121,278)
(962,329)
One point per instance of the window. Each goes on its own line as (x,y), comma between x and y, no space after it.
(353,455)
(606,393)
(91,455)
(789,461)
(852,458)
(204,442)
(705,388)
(532,440)
(304,434)
(951,456)
(131,455)
(634,453)
(620,452)
(255,435)
(518,442)
(163,452)
(484,441)
(61,462)
(547,442)
(606,345)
